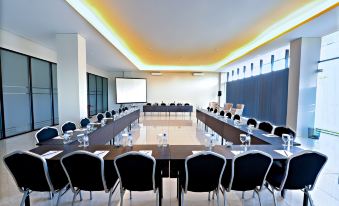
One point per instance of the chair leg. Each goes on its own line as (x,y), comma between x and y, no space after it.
(130,195)
(80,195)
(26,193)
(157,197)
(90,195)
(309,197)
(225,199)
(110,196)
(209,196)
(74,196)
(217,194)
(213,193)
(122,192)
(59,195)
(182,197)
(256,191)
(274,199)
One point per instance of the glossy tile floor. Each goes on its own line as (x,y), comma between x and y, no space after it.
(182,129)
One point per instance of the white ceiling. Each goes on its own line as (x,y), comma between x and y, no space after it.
(40,20)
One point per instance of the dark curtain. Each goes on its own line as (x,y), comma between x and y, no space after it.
(264,96)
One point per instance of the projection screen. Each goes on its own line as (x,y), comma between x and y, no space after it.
(130,90)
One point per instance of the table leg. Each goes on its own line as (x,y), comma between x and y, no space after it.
(27,201)
(305,202)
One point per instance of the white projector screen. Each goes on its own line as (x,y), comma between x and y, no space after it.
(130,90)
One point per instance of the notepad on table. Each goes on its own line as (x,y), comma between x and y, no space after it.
(195,152)
(51,154)
(270,135)
(236,152)
(284,152)
(101,153)
(146,152)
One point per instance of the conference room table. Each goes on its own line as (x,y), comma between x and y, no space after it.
(167,108)
(230,132)
(102,134)
(170,160)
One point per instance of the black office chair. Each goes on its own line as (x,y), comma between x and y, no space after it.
(46,133)
(100,117)
(266,126)
(203,172)
(211,109)
(113,113)
(252,121)
(187,104)
(148,104)
(30,172)
(136,172)
(279,131)
(123,109)
(179,104)
(120,110)
(126,108)
(215,111)
(236,117)
(249,171)
(208,109)
(301,173)
(86,172)
(67,126)
(156,104)
(108,114)
(84,122)
(222,113)
(172,104)
(163,104)
(229,115)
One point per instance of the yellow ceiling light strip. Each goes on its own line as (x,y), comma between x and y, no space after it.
(297,18)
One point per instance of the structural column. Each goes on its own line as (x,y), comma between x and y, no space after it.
(302,84)
(72,85)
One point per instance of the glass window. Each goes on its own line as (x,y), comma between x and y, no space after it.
(42,94)
(16,93)
(92,92)
(55,94)
(99,94)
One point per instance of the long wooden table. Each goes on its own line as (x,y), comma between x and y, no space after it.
(227,130)
(169,109)
(170,160)
(103,134)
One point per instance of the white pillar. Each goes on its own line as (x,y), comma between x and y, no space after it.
(302,84)
(72,84)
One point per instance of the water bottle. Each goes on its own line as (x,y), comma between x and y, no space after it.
(164,139)
(129,140)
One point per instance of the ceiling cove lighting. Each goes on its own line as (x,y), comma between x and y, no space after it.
(156,73)
(290,22)
(198,74)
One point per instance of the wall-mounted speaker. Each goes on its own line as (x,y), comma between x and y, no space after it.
(219,93)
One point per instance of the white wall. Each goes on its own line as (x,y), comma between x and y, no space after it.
(22,45)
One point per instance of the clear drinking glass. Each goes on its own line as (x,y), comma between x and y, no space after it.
(66,138)
(80,138)
(129,140)
(250,129)
(285,138)
(243,138)
(85,140)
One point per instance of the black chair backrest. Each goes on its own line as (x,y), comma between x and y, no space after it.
(279,131)
(203,171)
(229,115)
(266,126)
(252,121)
(68,126)
(100,117)
(236,117)
(211,109)
(136,171)
(149,104)
(156,104)
(46,133)
(123,109)
(108,114)
(120,110)
(222,113)
(84,122)
(126,108)
(179,104)
(303,169)
(113,112)
(208,109)
(249,170)
(29,171)
(187,104)
(172,104)
(215,111)
(163,104)
(84,170)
